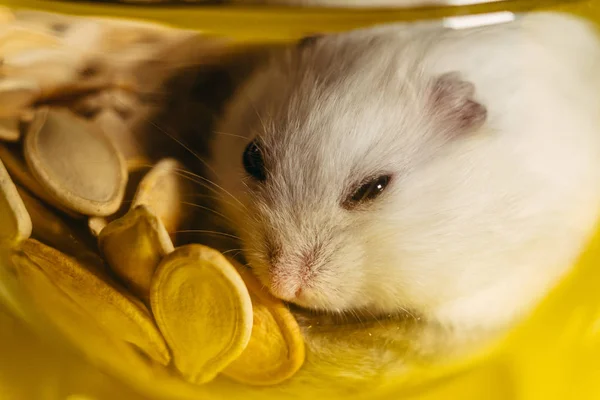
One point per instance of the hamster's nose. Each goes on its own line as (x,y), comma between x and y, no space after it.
(286,287)
(290,274)
(286,282)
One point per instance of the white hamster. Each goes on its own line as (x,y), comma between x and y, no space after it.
(452,173)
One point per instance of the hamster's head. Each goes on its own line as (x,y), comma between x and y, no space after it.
(352,180)
(315,150)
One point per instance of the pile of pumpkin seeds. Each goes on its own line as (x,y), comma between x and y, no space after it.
(89,221)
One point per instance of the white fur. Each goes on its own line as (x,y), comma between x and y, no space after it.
(472,230)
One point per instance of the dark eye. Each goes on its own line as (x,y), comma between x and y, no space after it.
(368,191)
(253,161)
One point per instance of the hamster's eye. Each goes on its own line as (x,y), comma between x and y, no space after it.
(368,191)
(253,161)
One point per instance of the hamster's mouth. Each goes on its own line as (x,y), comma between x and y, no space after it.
(314,305)
(358,316)
(313,302)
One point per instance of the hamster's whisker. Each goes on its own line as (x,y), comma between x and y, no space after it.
(235,251)
(208,232)
(212,189)
(197,181)
(230,134)
(202,195)
(350,313)
(208,181)
(186,175)
(215,212)
(231,250)
(186,147)
(245,184)
(375,317)
(228,202)
(408,312)
(262,122)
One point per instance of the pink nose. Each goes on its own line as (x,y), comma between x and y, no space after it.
(286,288)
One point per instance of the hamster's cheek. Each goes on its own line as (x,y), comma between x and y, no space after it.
(410,260)
(388,279)
(339,282)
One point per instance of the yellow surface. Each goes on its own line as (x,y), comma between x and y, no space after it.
(280,23)
(554,355)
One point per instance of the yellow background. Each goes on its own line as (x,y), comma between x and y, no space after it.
(553,355)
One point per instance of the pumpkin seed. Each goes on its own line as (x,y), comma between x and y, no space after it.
(51,229)
(17,38)
(119,133)
(276,348)
(98,340)
(52,22)
(51,69)
(137,170)
(203,309)
(16,166)
(10,129)
(114,309)
(134,246)
(15,222)
(96,225)
(75,163)
(16,95)
(163,191)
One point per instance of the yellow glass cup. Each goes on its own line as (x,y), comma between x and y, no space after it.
(554,354)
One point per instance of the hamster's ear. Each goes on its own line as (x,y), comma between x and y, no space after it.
(308,41)
(453,104)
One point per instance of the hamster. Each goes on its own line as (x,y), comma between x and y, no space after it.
(453,174)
